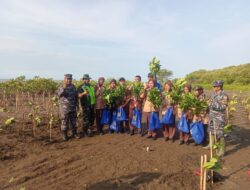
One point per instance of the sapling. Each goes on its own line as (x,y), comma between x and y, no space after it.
(52,119)
(34,116)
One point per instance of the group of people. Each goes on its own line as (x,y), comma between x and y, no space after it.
(93,104)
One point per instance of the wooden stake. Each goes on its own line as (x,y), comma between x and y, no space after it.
(211,154)
(201,174)
(50,133)
(205,173)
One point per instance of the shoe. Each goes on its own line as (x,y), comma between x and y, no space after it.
(171,140)
(101,133)
(166,139)
(65,136)
(131,133)
(148,137)
(181,142)
(154,138)
(76,136)
(89,133)
(206,147)
(187,143)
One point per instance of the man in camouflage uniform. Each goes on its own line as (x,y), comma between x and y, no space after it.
(217,115)
(86,93)
(67,106)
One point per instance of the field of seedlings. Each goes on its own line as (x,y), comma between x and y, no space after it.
(34,156)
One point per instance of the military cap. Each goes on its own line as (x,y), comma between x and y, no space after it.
(198,88)
(150,75)
(218,83)
(86,76)
(121,79)
(68,76)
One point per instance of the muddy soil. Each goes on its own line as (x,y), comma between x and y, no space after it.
(115,161)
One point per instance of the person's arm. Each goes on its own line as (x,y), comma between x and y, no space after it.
(97,90)
(144,94)
(61,92)
(82,92)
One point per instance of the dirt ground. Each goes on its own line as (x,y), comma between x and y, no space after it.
(115,161)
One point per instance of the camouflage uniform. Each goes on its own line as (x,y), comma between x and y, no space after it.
(217,113)
(67,107)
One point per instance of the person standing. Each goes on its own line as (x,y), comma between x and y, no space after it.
(200,95)
(99,89)
(149,107)
(135,103)
(188,116)
(217,115)
(112,106)
(124,103)
(168,113)
(68,103)
(86,94)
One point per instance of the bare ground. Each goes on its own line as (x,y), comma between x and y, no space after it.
(115,161)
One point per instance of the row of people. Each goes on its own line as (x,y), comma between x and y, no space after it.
(93,105)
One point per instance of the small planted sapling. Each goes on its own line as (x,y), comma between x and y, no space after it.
(52,120)
(34,116)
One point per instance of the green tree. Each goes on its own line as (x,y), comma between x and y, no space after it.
(163,75)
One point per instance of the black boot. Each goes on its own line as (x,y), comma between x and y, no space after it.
(131,132)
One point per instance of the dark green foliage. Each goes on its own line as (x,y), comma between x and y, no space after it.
(137,89)
(190,102)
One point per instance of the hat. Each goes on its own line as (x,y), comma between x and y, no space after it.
(68,76)
(121,79)
(218,83)
(198,88)
(150,75)
(86,76)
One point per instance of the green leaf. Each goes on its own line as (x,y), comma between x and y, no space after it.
(9,121)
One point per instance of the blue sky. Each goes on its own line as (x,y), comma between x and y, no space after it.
(115,38)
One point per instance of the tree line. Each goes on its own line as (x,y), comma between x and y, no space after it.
(233,75)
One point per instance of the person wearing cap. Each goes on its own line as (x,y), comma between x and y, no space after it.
(199,92)
(99,89)
(124,103)
(217,115)
(68,103)
(200,95)
(157,84)
(86,94)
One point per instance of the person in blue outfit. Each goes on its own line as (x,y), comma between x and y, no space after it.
(168,113)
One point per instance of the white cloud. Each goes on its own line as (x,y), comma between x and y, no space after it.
(103,20)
